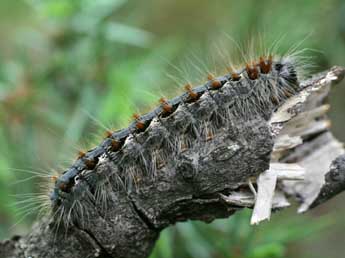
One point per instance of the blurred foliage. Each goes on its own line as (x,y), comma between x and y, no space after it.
(235,238)
(70,69)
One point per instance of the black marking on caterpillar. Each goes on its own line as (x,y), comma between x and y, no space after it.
(138,151)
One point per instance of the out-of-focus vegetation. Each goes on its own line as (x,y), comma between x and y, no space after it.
(68,69)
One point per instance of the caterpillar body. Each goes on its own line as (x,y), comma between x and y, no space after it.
(138,151)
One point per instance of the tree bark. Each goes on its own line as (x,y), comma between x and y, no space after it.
(205,182)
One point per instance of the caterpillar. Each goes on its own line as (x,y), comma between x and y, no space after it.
(152,140)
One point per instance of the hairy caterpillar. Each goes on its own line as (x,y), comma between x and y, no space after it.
(152,140)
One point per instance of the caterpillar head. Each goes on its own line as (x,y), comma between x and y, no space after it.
(287,70)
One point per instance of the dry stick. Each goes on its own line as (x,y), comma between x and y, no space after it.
(201,183)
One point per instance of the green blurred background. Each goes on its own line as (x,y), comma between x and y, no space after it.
(70,68)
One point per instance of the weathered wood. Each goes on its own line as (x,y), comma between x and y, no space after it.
(207,182)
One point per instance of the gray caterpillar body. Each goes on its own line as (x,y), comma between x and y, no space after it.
(175,129)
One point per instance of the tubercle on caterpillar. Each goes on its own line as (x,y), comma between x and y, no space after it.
(192,95)
(167,108)
(279,77)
